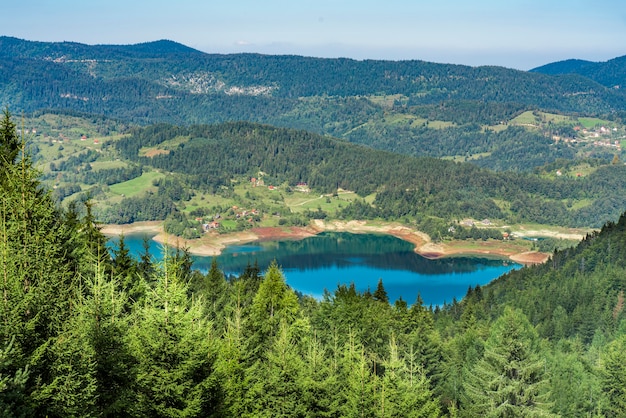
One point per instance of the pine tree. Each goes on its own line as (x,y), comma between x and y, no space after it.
(10,143)
(357,384)
(91,365)
(13,398)
(574,390)
(509,380)
(405,394)
(215,291)
(174,350)
(123,263)
(277,380)
(145,266)
(125,270)
(381,294)
(94,242)
(230,368)
(319,381)
(37,268)
(274,303)
(613,373)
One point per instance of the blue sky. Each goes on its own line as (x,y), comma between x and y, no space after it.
(513,33)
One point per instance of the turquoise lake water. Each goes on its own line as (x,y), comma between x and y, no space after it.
(326,260)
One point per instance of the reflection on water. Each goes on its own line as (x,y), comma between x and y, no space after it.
(326,260)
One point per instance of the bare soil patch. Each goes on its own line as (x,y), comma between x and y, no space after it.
(154,152)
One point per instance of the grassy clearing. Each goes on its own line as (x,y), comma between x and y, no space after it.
(536,118)
(495,246)
(163,147)
(418,122)
(495,128)
(387,100)
(590,123)
(556,118)
(228,224)
(502,204)
(579,204)
(526,118)
(439,124)
(553,231)
(329,204)
(399,118)
(464,158)
(581,170)
(369,198)
(107,165)
(204,200)
(137,185)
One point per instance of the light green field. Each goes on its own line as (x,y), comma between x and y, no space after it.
(592,122)
(417,122)
(537,118)
(387,100)
(495,128)
(137,185)
(526,118)
(228,223)
(582,169)
(463,158)
(581,204)
(300,202)
(165,145)
(107,165)
(439,124)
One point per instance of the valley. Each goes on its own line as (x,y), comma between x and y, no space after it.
(475,168)
(71,152)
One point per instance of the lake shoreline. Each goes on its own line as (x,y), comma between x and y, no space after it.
(212,243)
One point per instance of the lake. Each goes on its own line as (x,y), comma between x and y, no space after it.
(322,262)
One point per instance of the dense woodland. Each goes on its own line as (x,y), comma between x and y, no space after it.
(207,157)
(88,333)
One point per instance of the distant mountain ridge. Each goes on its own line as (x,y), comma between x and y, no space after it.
(95,77)
(11,47)
(411,107)
(611,73)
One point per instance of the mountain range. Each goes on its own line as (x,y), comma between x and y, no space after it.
(414,107)
(167,81)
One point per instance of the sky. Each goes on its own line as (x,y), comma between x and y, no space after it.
(520,34)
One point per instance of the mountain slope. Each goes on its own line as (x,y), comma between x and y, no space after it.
(178,73)
(585,283)
(209,157)
(409,107)
(611,73)
(570,66)
(11,47)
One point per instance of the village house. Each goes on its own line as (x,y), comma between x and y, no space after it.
(211,225)
(303,187)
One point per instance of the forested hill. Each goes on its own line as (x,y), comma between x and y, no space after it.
(611,73)
(210,156)
(575,302)
(165,81)
(90,333)
(579,292)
